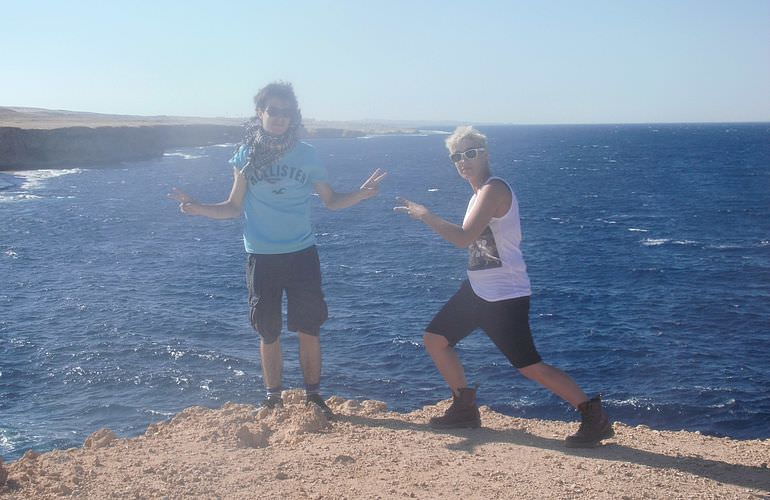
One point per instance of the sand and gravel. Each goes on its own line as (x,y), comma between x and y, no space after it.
(240,451)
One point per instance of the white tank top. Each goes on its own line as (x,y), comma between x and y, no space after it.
(496,268)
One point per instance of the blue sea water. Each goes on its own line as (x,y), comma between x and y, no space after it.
(648,247)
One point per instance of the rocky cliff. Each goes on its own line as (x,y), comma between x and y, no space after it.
(43,138)
(78,146)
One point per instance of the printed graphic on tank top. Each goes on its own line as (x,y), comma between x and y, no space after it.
(482,253)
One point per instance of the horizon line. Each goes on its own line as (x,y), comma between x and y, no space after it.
(414,122)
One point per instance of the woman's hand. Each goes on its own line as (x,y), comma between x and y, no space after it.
(412,209)
(372,185)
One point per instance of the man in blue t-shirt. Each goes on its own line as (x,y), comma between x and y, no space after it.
(275,176)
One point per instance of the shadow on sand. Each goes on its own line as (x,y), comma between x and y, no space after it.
(740,475)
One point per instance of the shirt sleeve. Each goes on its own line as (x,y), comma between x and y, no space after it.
(240,157)
(316,167)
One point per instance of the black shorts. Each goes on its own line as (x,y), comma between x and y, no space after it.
(506,322)
(299,274)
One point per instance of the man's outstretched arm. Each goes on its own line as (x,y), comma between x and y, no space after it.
(337,201)
(228,209)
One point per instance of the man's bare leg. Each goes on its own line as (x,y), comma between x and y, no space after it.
(272,363)
(310,358)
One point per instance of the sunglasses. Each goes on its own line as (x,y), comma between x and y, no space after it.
(277,112)
(468,154)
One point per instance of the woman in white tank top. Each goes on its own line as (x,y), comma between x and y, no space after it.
(495,298)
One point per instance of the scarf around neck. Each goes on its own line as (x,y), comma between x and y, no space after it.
(265,149)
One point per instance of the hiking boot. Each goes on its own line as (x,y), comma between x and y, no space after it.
(594,426)
(317,400)
(272,401)
(462,413)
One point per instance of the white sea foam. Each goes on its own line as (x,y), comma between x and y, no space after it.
(652,242)
(18,197)
(638,230)
(5,442)
(412,343)
(30,181)
(185,156)
(174,353)
(418,133)
(33,179)
(634,403)
(432,190)
(738,246)
(161,413)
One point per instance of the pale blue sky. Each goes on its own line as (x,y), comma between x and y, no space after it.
(614,61)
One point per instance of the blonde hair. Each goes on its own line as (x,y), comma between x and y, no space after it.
(466,132)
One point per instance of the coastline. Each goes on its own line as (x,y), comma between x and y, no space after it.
(33,138)
(368,452)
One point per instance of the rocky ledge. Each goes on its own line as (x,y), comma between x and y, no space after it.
(78,146)
(239,451)
(38,138)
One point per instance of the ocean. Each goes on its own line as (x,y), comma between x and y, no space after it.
(648,247)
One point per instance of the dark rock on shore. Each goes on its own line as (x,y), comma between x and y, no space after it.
(78,146)
(42,138)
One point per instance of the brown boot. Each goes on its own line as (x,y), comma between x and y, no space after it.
(594,427)
(463,412)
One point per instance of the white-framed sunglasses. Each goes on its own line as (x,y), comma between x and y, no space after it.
(468,154)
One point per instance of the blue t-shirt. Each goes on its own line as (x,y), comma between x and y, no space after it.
(277,204)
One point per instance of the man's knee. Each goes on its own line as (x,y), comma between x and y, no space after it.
(308,338)
(434,341)
(268,330)
(270,341)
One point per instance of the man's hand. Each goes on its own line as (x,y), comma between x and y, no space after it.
(187,204)
(412,209)
(372,185)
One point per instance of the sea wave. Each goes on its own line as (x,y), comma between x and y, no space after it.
(224,145)
(34,179)
(184,156)
(653,242)
(6,183)
(18,197)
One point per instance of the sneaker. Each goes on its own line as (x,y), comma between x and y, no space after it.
(272,401)
(463,413)
(594,427)
(317,400)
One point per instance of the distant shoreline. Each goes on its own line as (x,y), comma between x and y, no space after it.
(32,138)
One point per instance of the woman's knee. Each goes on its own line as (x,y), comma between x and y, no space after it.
(434,341)
(533,371)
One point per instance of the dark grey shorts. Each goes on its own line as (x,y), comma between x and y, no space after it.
(506,322)
(299,275)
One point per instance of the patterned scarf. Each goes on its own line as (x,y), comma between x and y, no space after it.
(266,148)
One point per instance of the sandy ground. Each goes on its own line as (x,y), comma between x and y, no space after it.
(239,451)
